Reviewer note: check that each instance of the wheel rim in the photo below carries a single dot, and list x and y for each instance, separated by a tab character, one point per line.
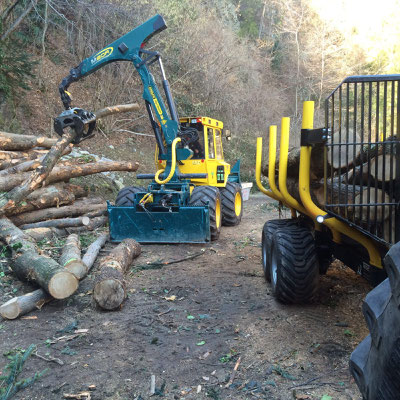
238	204
274	267
218	213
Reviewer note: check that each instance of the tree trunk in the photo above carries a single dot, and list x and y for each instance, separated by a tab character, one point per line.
37	177
71	257
93	250
123	108
4	164
13	141
21	167
340	155
110	291
48	233
80	207
27	264
59	174
58	223
21	305
380	167
49	196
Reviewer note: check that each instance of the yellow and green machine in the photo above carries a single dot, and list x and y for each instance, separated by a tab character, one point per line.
194	191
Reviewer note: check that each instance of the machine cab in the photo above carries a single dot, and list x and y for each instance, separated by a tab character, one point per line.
208	154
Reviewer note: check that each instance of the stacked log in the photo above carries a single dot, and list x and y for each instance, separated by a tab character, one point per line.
359	181
37	201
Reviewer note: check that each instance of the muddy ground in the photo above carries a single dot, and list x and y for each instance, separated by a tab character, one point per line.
189	323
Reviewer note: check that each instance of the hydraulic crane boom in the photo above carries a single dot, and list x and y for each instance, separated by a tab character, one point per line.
130	47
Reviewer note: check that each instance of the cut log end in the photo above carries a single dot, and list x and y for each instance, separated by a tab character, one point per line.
77	268
109	294
62	285
10	310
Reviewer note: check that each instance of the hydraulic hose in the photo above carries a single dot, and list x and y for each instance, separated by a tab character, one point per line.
173	165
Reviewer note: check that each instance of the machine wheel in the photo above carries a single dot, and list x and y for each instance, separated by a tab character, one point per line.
375	363
126	196
294	268
232	204
266	241
202	195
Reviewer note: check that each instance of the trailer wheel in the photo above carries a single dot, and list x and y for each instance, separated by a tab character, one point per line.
232	204
294	268
126	196
202	195
266	241
375	363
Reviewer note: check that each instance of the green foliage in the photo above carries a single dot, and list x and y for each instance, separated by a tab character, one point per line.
9	383
16	66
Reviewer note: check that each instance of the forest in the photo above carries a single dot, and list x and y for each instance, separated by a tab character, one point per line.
246	62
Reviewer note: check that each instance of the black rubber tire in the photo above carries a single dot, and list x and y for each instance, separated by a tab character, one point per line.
201	195
294	267
375	363
126	196
266	241
228	199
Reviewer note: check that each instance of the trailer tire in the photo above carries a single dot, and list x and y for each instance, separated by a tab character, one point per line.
375	363
232	204
266	241
203	195
126	196
294	265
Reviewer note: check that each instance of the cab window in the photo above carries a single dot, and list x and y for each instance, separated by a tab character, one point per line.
218	145
211	152
198	146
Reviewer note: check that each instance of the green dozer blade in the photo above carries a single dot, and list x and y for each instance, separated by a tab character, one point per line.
184	225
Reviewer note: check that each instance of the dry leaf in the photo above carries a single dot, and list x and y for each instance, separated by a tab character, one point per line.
170	298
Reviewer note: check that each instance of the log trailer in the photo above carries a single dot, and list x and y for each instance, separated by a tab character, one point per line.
194	191
356	220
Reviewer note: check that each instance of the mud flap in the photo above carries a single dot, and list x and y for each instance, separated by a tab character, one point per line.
186	225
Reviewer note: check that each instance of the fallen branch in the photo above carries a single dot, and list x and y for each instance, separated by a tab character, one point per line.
231	379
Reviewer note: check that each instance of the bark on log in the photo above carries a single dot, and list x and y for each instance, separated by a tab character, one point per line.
58	223
80	207
340	155
47	233
123	108
49	196
93	250
37	177
21	167
71	257
11	163
13	141
59	174
380	167
28	264
110	291
316	169
21	305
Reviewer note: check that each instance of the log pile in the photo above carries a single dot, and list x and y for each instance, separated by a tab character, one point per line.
37	201
356	176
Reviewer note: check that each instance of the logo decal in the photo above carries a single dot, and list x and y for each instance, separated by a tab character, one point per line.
157	104
102	54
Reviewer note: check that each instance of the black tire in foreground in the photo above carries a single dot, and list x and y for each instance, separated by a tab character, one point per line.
202	195
266	242
126	196
294	268
232	204
375	363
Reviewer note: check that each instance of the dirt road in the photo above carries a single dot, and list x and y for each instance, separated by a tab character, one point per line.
190	323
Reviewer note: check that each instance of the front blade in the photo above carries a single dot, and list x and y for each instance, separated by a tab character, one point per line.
187	225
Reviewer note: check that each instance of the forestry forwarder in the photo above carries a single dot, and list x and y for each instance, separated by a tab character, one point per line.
195	191
356	219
